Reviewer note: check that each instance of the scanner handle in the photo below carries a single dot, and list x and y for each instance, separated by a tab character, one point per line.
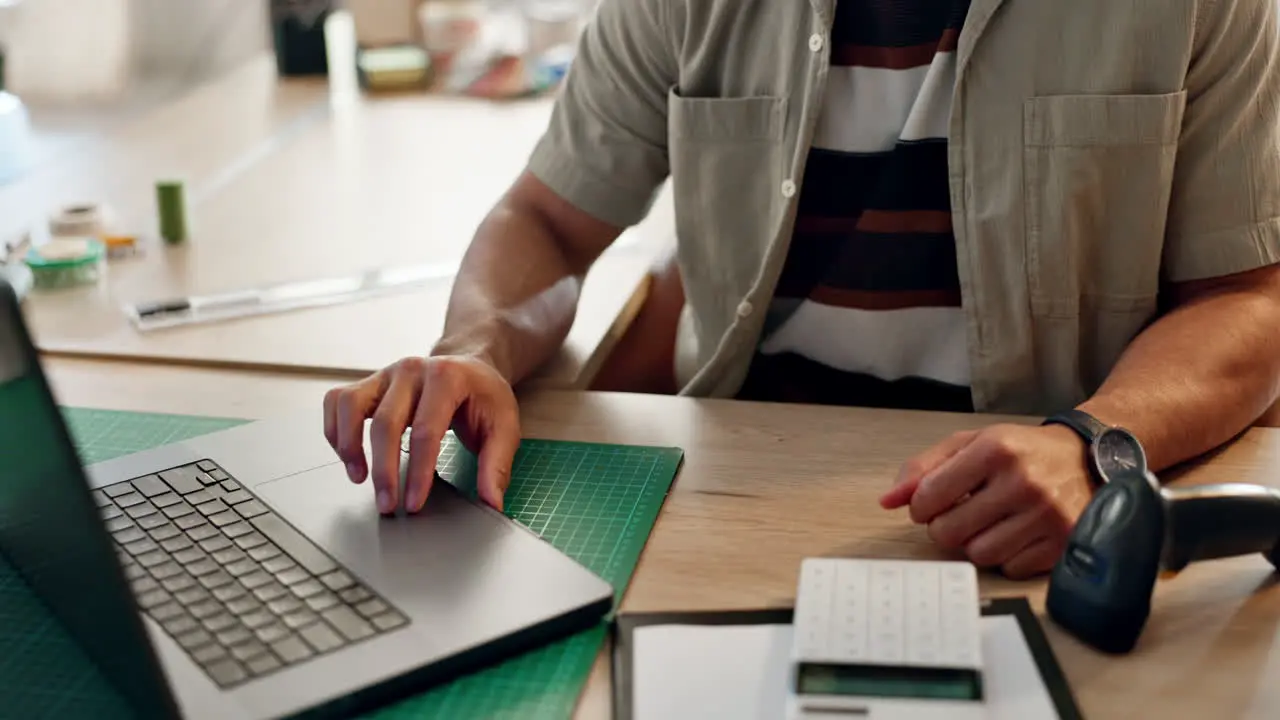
1218	521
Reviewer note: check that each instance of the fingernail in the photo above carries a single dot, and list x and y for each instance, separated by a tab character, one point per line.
355	472
384	502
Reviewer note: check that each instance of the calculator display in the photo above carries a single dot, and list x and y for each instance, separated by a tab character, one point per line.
886	682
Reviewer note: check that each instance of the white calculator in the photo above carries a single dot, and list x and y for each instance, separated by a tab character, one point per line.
886	639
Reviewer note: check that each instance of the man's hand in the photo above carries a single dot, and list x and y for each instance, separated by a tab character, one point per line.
428	395
1008	495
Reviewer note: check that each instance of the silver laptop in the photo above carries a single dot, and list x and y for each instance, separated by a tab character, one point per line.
241	574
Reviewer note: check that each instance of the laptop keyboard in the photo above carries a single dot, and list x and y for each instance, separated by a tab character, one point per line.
242	591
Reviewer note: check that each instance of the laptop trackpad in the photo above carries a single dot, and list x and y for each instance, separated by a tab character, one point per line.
454	568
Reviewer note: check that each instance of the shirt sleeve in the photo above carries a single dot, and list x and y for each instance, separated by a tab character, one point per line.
605	148
1224	213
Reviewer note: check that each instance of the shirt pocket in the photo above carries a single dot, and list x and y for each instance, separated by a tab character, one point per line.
1097	176
725	156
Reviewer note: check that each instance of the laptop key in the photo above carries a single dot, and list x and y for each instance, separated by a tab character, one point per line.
129	499
207	608
166	500
230	555
369	608
251	509
165	532
208	653
183	480
215	579
286	604
251	541
300	618
166	611
270	591
271	633
190	555
193	639
235	530
206	465
230	485
177	511
229	592
218	475
153	521
101	500
387	621
144	584
321	637
166	570
151	559
215	543
110	512
234	635
208	479
337	580
262	664
255	579
212	507
241	605
351	625
133	571
266	552
202	567
152	599
226	671
293	575
224	518
256	618
353	595
180	625
141	510
246	650
176	544
218	623
191	595
322	601
236	497
199	497
140	546
128	535
306	589
118	489
150	486
187	522
291	649
276	564
118	524
240	567
178	582
294	544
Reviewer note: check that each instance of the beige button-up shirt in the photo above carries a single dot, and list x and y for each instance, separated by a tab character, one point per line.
1098	149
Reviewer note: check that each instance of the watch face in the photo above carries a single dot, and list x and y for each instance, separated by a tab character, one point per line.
1117	452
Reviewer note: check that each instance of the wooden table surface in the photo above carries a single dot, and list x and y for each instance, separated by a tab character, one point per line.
284	187
764	486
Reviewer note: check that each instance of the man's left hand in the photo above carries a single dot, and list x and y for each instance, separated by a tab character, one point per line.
1008	495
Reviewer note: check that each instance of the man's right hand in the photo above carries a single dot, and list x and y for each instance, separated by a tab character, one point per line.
428	395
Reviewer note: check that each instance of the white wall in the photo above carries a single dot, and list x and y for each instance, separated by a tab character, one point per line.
197	38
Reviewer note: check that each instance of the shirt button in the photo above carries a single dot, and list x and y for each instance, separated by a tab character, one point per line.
744	309
788	188
815	42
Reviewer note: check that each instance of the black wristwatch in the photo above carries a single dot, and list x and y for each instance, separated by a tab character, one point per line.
1109	450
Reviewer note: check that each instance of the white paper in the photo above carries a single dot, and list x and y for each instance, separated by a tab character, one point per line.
740	672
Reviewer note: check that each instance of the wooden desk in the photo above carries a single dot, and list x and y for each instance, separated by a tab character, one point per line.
387	182
764	486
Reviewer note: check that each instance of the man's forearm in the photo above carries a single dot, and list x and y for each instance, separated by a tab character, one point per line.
1200	374
515	296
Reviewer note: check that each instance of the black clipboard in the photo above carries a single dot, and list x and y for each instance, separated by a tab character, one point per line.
624	627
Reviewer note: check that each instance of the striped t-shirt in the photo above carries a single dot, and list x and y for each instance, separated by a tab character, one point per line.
870	292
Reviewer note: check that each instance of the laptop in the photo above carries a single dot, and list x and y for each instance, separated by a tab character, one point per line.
241	574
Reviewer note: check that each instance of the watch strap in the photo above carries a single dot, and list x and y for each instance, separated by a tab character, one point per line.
1085	425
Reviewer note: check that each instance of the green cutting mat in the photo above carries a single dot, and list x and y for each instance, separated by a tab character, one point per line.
597	503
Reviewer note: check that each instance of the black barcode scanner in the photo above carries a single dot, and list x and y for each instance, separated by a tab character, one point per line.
1100	590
